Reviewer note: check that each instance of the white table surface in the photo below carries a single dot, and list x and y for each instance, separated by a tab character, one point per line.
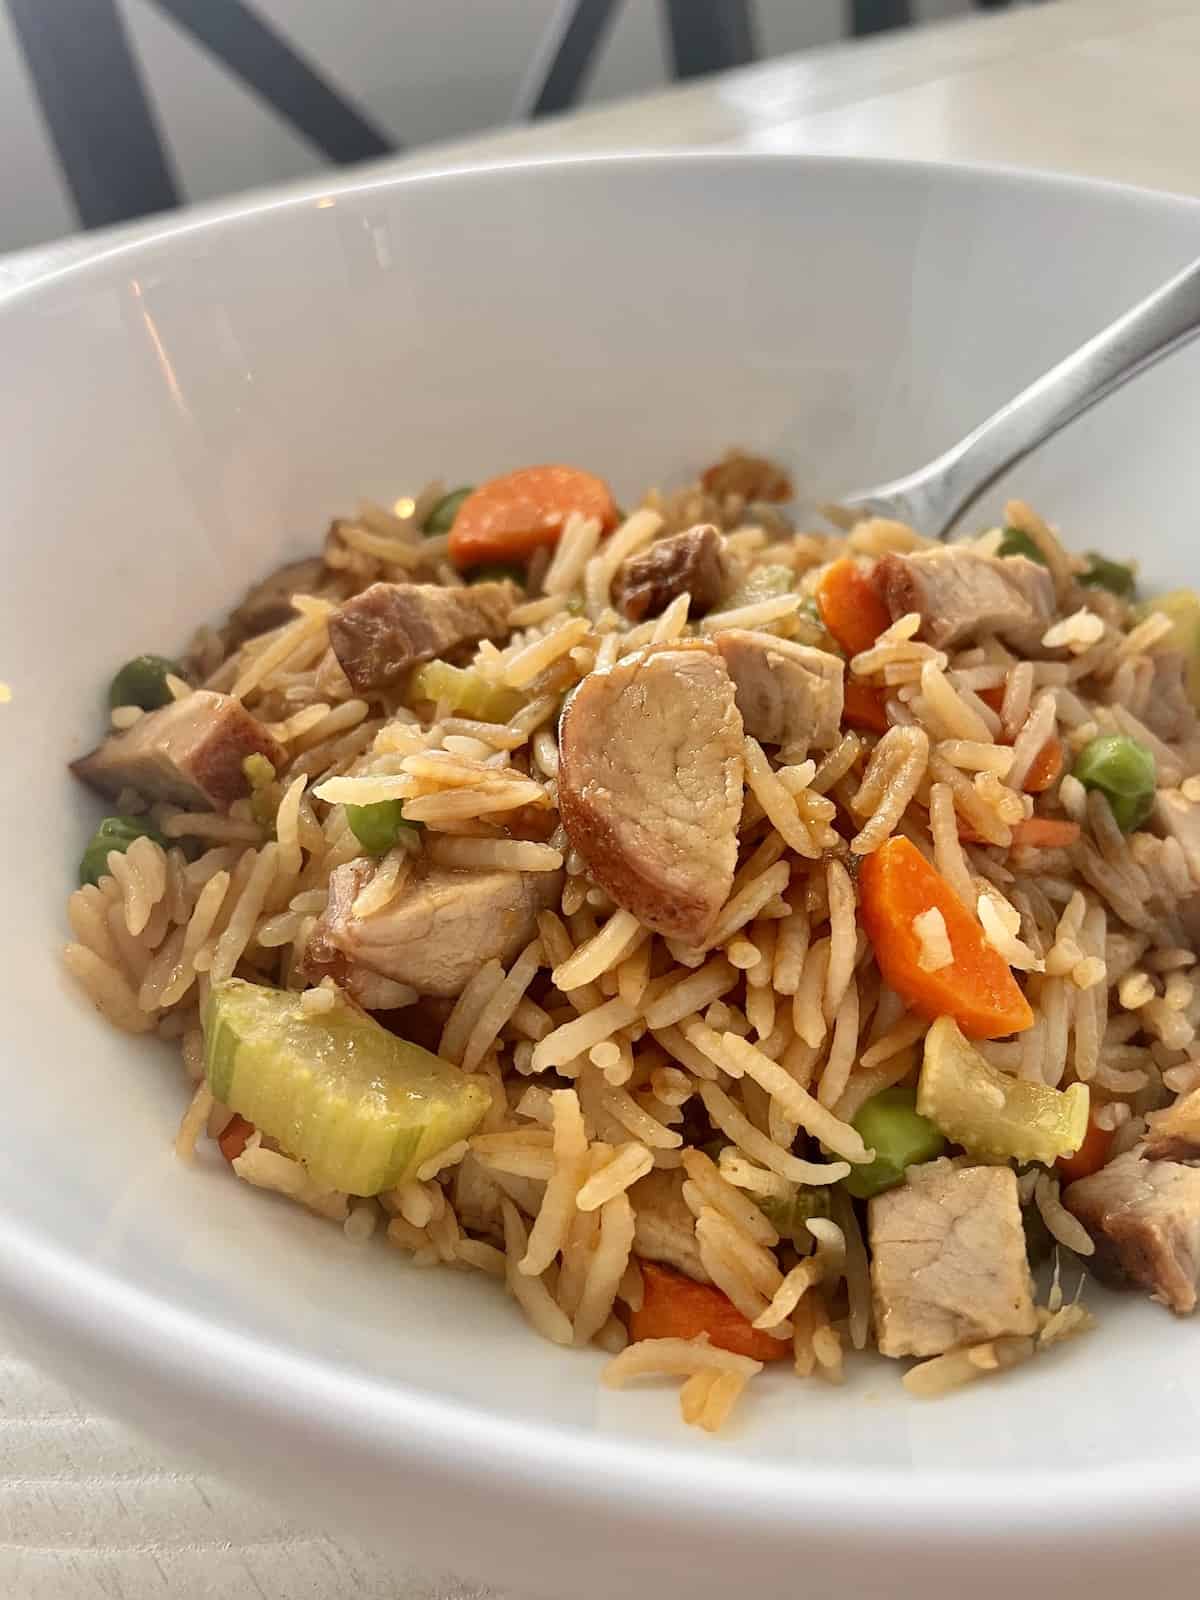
1105	88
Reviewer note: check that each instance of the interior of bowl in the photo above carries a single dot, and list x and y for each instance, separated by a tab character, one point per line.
183	416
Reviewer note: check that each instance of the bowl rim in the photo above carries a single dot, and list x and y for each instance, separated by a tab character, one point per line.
243	1382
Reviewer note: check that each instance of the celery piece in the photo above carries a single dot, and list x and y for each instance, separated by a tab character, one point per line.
465	689
994	1116
766	582
361	1108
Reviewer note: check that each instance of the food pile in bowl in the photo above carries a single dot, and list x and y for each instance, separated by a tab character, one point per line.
748	945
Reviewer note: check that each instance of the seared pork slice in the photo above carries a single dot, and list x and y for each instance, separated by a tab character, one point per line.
1175	1133
650	785
787	693
948	1262
962	595
269	604
190	752
1145	1219
691	562
382	632
439	930
664	1229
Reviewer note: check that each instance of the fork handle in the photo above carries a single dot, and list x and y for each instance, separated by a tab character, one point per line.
938	494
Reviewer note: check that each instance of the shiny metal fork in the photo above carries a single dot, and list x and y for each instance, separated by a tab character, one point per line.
934	497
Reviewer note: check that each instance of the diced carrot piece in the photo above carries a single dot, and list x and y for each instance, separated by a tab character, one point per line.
1046	767
508	518
864	707
674	1307
851	606
234	1137
1090	1157
977	989
1045	833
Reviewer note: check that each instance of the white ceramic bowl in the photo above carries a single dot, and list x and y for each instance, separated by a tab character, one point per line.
180	416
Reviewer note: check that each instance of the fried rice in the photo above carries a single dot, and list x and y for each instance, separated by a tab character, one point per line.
673	1122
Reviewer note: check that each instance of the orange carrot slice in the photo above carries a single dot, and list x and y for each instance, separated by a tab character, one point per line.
1090	1157
851	606
1047	765
234	1137
1045	833
977	989
1045	768
864	707
508	518
674	1307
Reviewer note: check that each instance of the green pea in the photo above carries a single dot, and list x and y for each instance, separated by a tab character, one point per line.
790	1216
496	572
143	682
377	828
1115	576
114	833
441	518
1016	542
1124	772
891	1125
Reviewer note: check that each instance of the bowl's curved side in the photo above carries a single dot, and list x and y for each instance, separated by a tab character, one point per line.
192	410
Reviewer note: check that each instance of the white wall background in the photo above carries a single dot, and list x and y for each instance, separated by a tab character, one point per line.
423	70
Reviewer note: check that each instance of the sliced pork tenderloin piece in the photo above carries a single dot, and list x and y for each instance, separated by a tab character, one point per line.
190	752
650	785
268	604
381	633
962	595
664	1228
1144	1217
948	1262
440	929
787	693
692	562
1175	1133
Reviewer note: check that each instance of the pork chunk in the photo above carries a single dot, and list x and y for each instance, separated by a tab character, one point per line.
268	604
962	595
650	785
948	1262
190	752
664	1228
1175	1133
440	929
787	693
382	632
1145	1219
691	562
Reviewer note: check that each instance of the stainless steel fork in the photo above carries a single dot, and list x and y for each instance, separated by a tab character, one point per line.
934	497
